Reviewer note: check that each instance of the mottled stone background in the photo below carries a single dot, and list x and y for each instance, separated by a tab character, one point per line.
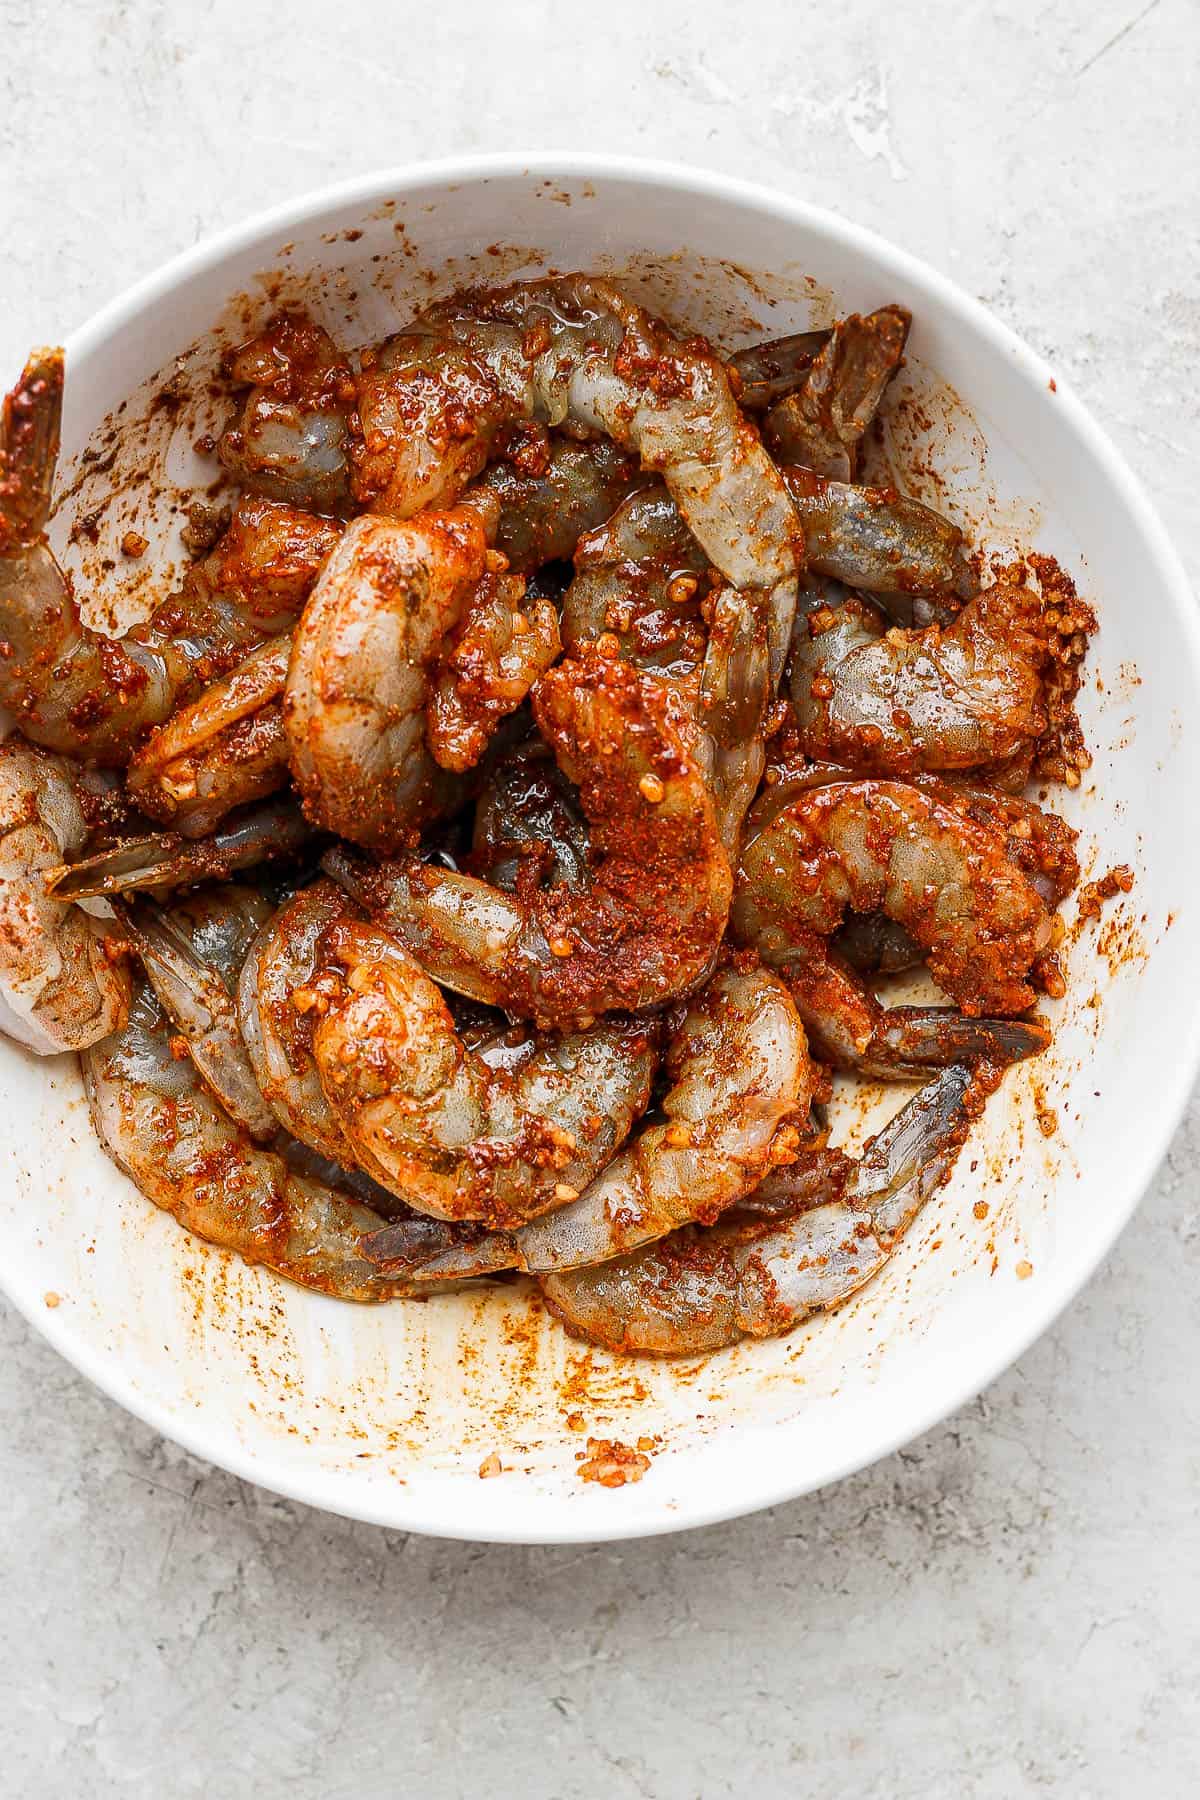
1012	1605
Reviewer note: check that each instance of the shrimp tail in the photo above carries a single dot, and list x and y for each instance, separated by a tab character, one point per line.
29	443
910	1040
165	860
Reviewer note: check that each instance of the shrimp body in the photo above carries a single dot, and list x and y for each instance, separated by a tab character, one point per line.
945	697
647	925
931	867
643	581
192	953
739	1074
223	750
159	1123
456	1137
575	349
276	1017
544	513
63	983
879	540
289	439
355	700
73	689
837	1223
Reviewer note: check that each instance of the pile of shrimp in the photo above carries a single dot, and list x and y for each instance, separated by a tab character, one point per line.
487	856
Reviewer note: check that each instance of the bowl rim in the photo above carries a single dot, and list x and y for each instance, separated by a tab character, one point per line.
319	1487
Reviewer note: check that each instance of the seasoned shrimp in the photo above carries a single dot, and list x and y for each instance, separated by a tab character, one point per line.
946	697
643	582
158	1122
821	424
192	953
77	691
357	686
276	1015
739	1077
880	541
434	1122
289	439
528	826
642	579
63	980
836	1223
224	750
879	846
435	401
647	925
164	860
545	512
486	666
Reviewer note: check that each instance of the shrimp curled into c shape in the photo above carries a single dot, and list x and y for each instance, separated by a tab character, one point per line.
837	1223
433	1122
932	867
740	1075
648	924
161	1126
358	684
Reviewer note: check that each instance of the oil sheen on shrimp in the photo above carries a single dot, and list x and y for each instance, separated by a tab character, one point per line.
159	1123
436	1123
63	980
358	682
647	925
879	846
642	582
739	1076
946	697
73	689
289	438
828	1226
192	953
435	401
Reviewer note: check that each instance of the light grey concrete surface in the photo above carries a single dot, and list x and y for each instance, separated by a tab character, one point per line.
1011	1606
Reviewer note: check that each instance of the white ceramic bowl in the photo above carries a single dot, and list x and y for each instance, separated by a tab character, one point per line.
386	1414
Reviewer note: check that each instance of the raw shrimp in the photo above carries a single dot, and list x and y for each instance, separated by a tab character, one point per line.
192	953
224	750
77	691
649	922
289	439
63	980
928	865
544	512
946	697
164	860
643	582
739	1076
821	424
276	1014
528	826
435	401
434	1122
158	1122
486	666
880	541
355	703
835	1224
